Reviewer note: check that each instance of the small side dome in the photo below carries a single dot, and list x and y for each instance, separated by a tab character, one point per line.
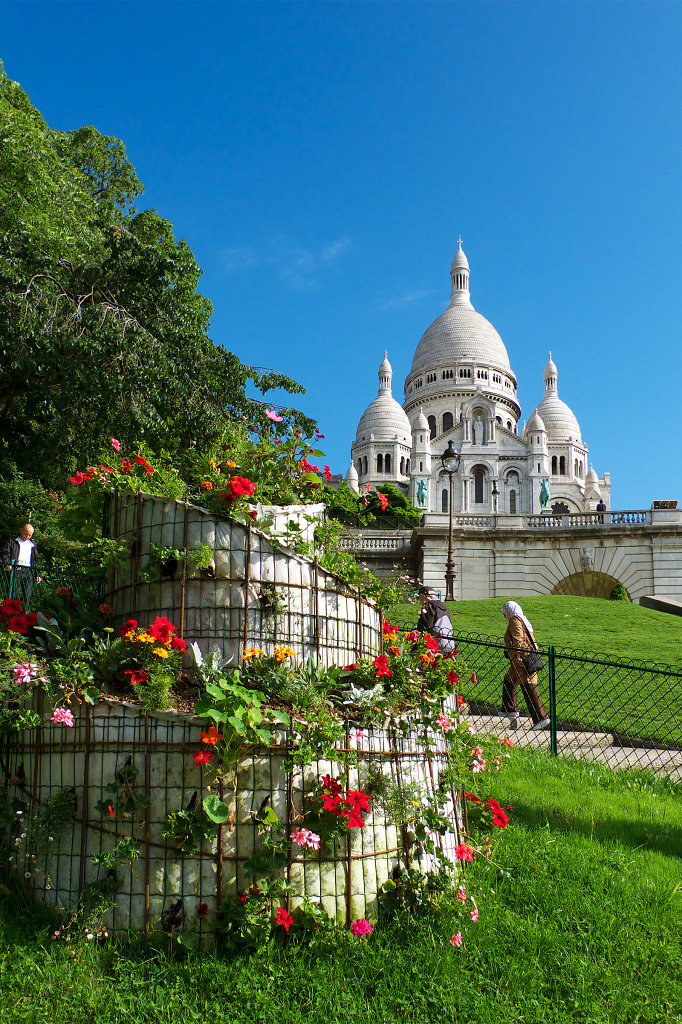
535	423
384	419
591	477
421	422
352	478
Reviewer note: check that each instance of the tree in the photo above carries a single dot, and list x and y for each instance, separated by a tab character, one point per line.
102	330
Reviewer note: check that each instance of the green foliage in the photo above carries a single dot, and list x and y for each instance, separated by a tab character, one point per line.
125	851
89	285
619	593
411	894
154	694
191	827
45	823
241	713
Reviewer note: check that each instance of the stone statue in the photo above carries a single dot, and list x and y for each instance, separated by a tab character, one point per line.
544	493
587	559
422	491
478	430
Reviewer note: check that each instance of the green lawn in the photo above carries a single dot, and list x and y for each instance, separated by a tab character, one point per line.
587	624
581	925
627	701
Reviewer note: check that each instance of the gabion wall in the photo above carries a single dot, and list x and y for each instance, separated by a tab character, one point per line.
112	736
257	594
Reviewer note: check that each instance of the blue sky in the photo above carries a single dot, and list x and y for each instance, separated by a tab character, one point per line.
322	158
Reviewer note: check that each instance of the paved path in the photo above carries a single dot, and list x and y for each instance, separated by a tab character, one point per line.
592	746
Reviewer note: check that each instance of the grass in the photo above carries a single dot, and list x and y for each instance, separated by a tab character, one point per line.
581	926
627	701
587	624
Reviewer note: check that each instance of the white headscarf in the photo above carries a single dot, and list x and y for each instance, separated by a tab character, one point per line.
512	608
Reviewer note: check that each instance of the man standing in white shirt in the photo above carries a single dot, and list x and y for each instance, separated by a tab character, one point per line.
21	554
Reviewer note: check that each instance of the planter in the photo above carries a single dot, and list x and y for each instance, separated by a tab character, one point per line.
261	594
113	740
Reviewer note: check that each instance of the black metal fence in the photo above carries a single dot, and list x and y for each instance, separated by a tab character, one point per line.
623	713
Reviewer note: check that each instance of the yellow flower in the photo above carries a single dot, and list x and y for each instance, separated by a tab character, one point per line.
231	465
252	652
146	638
212	464
282	653
160	652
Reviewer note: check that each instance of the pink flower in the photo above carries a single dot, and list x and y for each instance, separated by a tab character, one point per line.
464	852
24	672
461	894
383	501
62	716
361	927
358	734
474	912
478	766
304	837
272	415
443	722
456	939
474	680
116	445
327	473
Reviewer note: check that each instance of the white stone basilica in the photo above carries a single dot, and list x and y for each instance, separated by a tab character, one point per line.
461	388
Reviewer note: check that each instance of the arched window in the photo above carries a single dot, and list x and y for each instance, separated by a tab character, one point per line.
512	503
444	500
432	426
580	468
447	421
366	464
359	467
407	468
380	463
576	467
509	424
387	463
479	476
402	465
562	465
554	465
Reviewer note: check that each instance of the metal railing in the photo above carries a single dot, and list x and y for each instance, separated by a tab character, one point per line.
624	713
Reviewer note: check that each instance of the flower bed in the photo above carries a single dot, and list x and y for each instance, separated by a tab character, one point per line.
123	842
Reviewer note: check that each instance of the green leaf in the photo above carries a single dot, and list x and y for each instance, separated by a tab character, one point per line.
268	817
91	694
215	692
237	725
215	809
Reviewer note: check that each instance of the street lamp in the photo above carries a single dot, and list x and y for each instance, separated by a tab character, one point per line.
450	459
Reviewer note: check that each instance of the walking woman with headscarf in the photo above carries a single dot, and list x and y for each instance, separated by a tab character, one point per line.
518	640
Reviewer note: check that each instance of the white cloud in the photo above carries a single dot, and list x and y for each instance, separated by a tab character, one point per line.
296	266
403	300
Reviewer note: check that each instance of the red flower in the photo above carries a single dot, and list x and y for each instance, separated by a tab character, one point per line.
383	501
161	629
474	799
125	466
431	643
141	461
111	810
178	644
506	742
464	852
333	785
284	918
356	798
327	473
11	606
389	630
128	627
212	736
474	680
349	668
18	624
203	910
354	819
238	486
452	677
203	757
381	666
461	703
136	676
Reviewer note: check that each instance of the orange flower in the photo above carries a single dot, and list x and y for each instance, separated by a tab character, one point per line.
394	650
231	465
63	592
426	659
252	652
206	485
160	652
212	736
105	609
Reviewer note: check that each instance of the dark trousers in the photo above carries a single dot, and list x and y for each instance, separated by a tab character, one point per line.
24	580
517	677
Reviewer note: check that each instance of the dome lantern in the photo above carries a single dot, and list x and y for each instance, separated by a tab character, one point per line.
459	275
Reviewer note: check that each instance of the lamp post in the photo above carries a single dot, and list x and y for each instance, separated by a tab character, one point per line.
450	460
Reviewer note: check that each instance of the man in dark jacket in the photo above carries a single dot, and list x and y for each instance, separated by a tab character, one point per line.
20	556
434	618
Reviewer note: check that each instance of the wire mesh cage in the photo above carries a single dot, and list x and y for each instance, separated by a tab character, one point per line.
255	592
115	750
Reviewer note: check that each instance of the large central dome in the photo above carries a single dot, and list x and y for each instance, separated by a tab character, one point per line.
460	333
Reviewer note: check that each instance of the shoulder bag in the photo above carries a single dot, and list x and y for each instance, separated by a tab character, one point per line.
531	660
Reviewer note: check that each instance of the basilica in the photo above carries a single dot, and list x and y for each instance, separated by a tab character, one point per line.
461	389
